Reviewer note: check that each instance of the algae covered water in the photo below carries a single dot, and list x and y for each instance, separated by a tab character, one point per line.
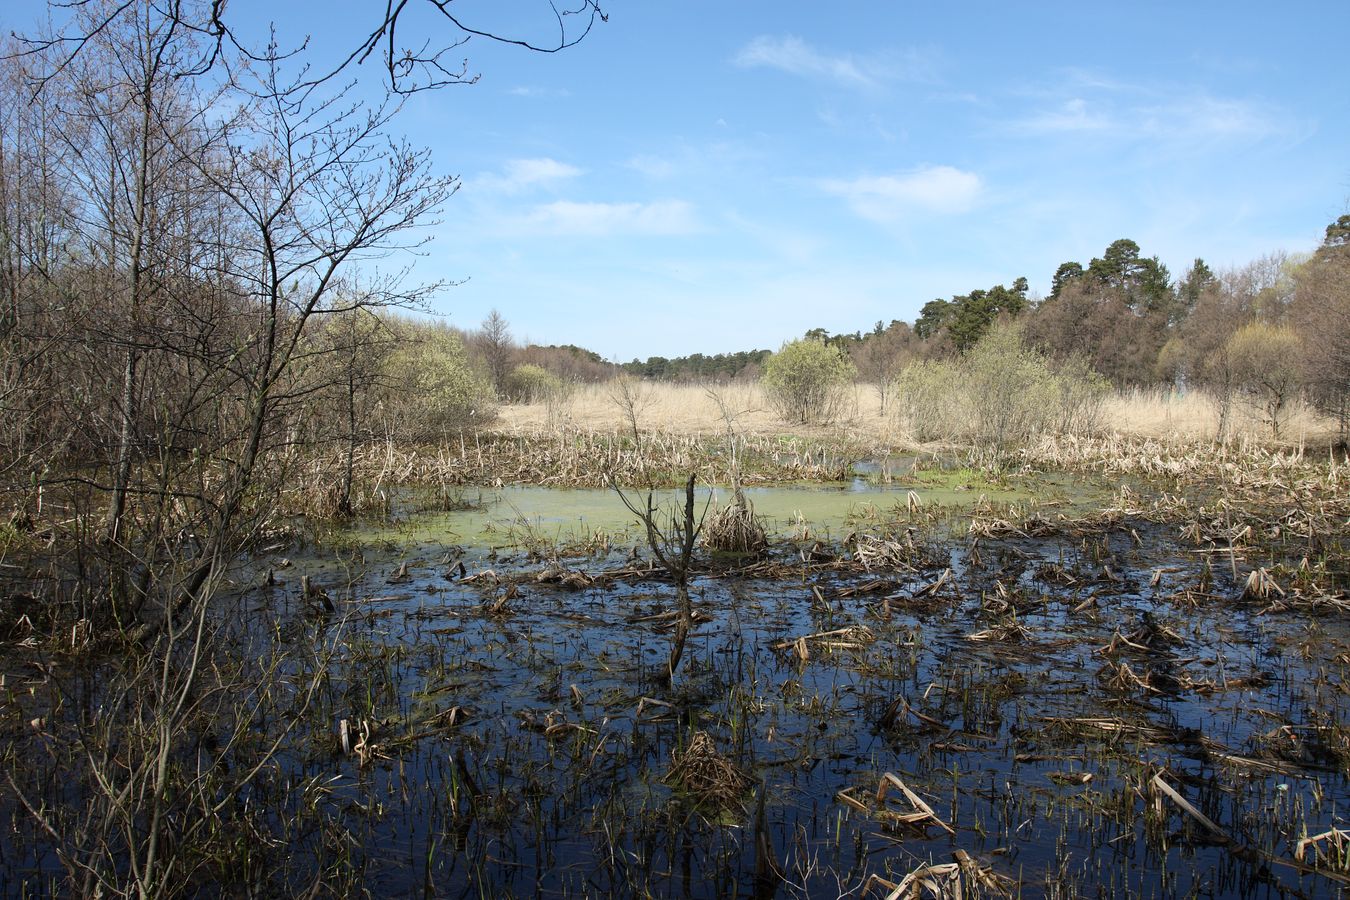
516	515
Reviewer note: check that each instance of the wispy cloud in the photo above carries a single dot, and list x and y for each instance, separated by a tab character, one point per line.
1213	117
890	198
1154	112
1072	115
791	54
652	166
523	174
590	219
526	90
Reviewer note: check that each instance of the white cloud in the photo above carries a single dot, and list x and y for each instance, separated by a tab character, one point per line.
522	174
568	217
888	198
792	54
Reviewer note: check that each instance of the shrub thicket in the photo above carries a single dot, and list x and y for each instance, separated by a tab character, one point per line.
1000	394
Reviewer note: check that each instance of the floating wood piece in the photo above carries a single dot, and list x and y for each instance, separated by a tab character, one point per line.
644	702
498	606
935	586
867	587
451	717
1336	837
854	637
875	552
485	575
890	779
1010	632
1172	794
941	881
561	575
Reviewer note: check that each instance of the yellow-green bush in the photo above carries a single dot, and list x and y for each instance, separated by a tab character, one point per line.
1265	360
534	384
806	380
432	388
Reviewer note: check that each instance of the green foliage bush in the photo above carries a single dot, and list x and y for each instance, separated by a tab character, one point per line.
806	380
1002	393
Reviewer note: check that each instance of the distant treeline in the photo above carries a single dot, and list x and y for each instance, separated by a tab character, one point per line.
1277	327
745	364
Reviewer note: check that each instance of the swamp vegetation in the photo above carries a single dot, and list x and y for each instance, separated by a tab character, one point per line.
1107	670
278	618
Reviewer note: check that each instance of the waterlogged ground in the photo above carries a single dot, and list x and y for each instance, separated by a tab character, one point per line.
1075	704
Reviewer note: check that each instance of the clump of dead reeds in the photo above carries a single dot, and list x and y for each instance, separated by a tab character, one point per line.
965	877
734	528
1261	585
711	778
874	552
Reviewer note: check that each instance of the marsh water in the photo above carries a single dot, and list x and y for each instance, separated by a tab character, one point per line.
497	718
1030	688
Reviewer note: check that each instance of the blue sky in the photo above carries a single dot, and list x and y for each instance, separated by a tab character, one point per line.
707	177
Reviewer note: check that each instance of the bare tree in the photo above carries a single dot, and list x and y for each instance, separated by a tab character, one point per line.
317	188
209	240
124	156
408	67
880	356
1321	313
351	349
35	237
494	344
671	534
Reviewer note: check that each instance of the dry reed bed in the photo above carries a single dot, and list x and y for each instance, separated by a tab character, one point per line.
1276	520
575	457
695	409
